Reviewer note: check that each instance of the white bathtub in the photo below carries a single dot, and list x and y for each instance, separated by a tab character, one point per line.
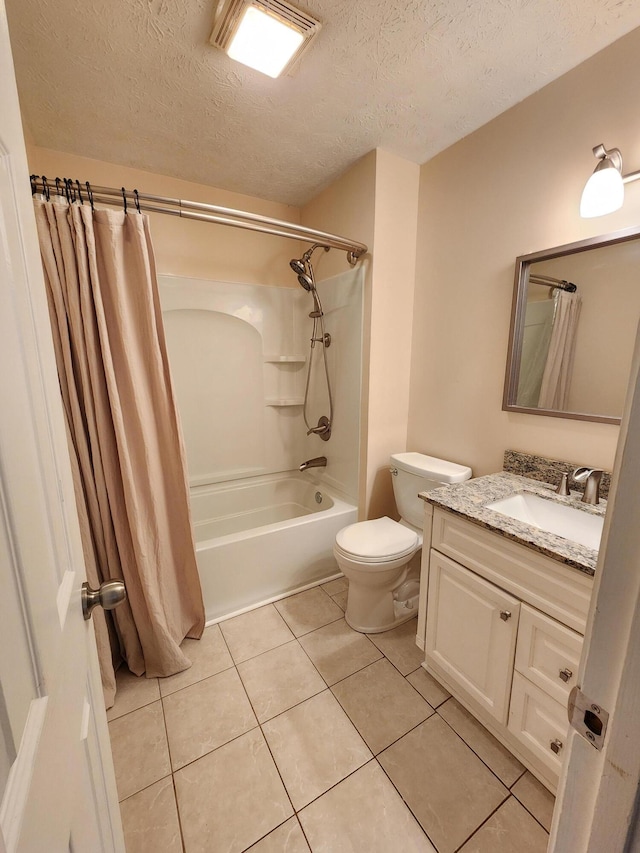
261	538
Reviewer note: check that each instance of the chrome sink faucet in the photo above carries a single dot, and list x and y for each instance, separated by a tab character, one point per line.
318	462
591	478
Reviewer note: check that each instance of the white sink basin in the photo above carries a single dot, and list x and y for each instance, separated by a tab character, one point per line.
565	521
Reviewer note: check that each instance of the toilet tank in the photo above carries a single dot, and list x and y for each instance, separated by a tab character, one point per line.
414	473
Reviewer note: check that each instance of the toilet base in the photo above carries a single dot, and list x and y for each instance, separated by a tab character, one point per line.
364	629
371	613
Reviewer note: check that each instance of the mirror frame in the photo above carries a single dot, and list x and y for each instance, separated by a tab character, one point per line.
518	310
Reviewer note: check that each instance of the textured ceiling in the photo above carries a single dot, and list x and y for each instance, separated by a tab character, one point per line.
136	82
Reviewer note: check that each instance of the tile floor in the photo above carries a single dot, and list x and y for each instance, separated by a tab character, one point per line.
291	733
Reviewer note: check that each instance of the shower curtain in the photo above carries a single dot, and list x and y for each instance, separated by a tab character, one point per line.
556	379
123	430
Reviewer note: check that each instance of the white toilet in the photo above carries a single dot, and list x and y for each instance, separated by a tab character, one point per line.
381	558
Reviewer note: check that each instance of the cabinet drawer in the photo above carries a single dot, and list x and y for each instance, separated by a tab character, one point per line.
538	722
547	653
471	633
542	582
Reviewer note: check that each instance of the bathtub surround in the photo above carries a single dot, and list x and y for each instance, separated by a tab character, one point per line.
238	356
124	434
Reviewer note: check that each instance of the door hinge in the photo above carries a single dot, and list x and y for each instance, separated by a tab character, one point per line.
587	717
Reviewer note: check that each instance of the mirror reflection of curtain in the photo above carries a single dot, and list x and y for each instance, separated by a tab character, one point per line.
535	348
554	390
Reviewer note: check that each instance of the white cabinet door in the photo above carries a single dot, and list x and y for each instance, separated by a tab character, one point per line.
471	634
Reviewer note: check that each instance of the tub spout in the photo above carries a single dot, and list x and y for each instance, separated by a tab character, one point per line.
318	462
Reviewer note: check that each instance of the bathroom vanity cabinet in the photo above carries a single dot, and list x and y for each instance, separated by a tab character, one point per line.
503	628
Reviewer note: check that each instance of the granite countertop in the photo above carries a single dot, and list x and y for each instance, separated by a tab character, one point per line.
469	500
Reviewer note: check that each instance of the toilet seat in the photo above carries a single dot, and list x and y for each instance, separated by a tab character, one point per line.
377	541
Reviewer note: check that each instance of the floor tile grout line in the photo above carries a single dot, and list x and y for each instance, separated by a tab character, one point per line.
524	770
268	745
146	788
479	757
319	673
527	809
173	781
262	837
479	827
434	707
175	796
399	793
133	710
197	681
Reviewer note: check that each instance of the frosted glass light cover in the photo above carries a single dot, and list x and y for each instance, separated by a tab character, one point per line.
603	193
263	42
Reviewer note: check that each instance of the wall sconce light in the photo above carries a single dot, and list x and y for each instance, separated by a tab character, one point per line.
604	191
267	35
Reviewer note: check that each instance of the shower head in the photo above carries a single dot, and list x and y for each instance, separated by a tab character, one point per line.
302	268
307	282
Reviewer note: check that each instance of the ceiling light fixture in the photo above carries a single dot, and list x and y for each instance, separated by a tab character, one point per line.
604	191
267	35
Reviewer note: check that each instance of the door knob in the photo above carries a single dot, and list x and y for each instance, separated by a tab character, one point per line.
109	595
556	745
505	615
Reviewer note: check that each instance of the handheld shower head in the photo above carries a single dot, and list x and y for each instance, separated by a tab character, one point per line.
302	268
307	282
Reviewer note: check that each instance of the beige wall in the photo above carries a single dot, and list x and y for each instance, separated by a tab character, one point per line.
510	188
376	202
185	247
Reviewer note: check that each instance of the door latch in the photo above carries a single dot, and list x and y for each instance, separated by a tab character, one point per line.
587	717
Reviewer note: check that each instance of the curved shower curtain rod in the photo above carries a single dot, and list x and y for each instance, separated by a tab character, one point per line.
195	210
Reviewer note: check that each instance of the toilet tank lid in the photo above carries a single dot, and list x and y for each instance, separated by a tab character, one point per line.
431	468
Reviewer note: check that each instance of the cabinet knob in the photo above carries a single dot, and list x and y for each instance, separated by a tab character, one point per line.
505	614
565	674
556	745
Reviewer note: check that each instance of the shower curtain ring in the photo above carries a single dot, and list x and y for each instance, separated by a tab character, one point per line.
32	181
45	188
67	190
137	199
79	191
124	198
89	195
58	187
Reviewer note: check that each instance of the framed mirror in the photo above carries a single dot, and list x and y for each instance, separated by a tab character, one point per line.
573	327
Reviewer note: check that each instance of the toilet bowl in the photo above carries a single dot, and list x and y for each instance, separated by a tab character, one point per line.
381	557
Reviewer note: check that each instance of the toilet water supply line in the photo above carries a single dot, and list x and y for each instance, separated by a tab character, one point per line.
304	270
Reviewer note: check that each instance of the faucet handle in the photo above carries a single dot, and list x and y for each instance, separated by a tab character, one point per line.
563	485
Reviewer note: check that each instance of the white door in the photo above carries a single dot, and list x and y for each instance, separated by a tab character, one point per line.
597	806
57	787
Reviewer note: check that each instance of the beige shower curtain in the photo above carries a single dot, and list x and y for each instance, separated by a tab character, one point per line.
556	379
123	432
